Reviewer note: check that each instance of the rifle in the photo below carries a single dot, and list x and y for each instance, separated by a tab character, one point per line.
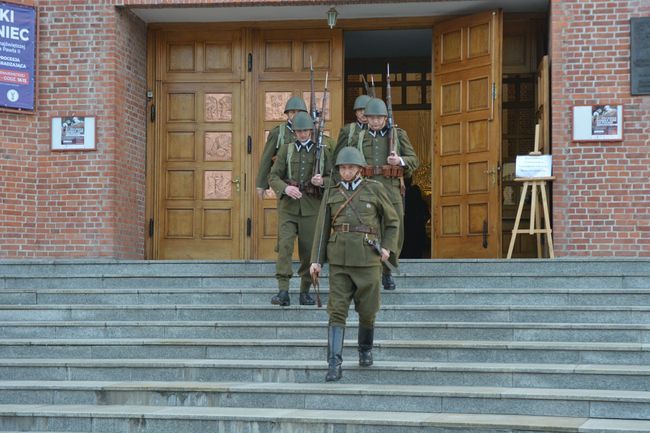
392	132
311	189
369	91
313	109
314	277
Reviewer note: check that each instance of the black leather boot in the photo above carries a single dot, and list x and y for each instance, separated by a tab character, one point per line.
366	338
335	336
306	299
281	299
387	281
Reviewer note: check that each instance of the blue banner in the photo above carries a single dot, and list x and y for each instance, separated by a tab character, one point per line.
17	59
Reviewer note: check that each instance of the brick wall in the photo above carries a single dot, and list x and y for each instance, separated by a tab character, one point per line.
91	62
601	198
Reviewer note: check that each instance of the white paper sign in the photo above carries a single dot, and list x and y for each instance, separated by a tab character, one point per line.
533	166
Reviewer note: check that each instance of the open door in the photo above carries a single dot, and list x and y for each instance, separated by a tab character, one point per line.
467	137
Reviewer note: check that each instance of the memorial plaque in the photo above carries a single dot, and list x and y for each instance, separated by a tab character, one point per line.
640	56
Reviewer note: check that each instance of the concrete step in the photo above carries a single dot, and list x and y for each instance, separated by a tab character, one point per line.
434	313
313	349
404	280
486	331
509	375
414	398
156	419
565	266
262	296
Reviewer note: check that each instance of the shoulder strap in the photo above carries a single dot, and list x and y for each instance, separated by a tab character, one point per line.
362	133
351	133
348	199
291	147
280	139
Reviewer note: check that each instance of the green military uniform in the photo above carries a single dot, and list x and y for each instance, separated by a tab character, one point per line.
295	165
279	136
352	215
374	146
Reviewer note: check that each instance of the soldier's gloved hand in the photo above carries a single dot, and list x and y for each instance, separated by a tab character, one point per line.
317	180
385	254
293	192
393	159
260	192
315	269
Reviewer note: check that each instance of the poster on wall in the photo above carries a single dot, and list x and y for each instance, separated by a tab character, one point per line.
17	56
598	123
73	133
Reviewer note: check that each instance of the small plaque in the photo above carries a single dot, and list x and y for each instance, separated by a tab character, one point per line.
640	57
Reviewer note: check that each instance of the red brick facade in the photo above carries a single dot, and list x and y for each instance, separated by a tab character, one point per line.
92	60
601	200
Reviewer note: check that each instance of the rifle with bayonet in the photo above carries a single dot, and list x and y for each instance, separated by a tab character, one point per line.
370	91
319	129
392	131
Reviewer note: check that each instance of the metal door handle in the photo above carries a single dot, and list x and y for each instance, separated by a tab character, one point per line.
237	183
493	174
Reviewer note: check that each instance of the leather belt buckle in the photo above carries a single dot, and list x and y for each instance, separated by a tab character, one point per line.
345	227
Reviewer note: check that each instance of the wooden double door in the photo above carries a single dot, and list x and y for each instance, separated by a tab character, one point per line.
218	91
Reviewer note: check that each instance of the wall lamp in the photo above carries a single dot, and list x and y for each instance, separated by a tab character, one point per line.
332	14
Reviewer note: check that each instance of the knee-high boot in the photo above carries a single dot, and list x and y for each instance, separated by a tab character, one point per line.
335	336
366	338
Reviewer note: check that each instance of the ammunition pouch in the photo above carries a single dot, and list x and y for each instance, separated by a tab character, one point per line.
393	171
307	188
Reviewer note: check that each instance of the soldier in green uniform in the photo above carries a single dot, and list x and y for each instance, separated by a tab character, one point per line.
387	168
281	134
352	217
350	132
299	193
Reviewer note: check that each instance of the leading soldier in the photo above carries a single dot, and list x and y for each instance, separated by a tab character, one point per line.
278	136
299	192
386	167
353	216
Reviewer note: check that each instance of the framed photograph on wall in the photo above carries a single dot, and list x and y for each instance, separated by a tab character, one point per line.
598	123
73	133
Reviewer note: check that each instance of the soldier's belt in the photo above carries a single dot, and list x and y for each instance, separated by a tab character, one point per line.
345	228
382	170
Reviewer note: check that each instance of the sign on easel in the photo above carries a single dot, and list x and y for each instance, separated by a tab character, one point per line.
533	166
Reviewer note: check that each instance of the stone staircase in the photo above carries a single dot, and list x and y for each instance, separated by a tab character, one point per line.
462	346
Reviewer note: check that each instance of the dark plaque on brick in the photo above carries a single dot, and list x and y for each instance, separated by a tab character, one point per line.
640	57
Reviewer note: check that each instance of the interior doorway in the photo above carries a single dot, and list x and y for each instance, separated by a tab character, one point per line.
409	53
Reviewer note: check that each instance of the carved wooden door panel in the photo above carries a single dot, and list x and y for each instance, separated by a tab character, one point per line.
199	147
281	69
467	131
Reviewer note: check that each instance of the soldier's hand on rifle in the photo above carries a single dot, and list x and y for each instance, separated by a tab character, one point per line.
260	192
393	159
384	254
293	192
315	269
317	180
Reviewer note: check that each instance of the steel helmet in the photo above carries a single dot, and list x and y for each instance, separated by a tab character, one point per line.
360	102
350	155
302	121
376	107
295	103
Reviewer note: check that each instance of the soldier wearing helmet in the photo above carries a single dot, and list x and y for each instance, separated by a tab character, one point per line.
299	192
386	167
350	132
280	135
357	228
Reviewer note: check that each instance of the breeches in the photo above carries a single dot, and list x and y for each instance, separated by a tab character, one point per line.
358	283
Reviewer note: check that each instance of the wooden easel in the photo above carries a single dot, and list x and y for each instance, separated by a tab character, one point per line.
535	223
